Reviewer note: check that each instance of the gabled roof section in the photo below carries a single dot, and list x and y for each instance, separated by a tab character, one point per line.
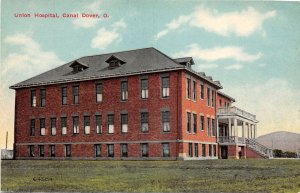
226	96
113	57
140	61
77	63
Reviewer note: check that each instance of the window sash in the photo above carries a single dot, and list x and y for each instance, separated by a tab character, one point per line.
124	150
188	122
98	150
42	127
202	123
196	150
195	123
203	150
68	150
75	94
110	150
208	127
190	150
165	86
41	151
188	88
166	149
201	91
98	123
64	95
43	97
31	150
33	98
208	96
144	150
213	127
63	125
144	84
52	150
194	90
75	125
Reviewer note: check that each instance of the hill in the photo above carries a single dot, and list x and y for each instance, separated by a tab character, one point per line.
283	140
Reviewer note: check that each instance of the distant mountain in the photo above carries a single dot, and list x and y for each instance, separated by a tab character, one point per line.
283	140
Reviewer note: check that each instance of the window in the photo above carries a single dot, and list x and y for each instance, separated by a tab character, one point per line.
165	87
201	123
52	150
212	98
190	150
166	120
53	126
110	123
144	149
75	94
201	91
124	123
208	96
98	92
144	88
166	149
213	127
124	90
203	150
220	103
188	88
63	125
43	97
98	150
32	127
208	127
86	124
68	150
124	150
75	125
41	151
196	150
42	127
215	150
110	150
210	150
195	123
31	150
144	122
33	98
98	122
194	90
188	122
64	95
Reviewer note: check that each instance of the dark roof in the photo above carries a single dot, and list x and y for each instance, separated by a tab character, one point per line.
140	61
227	96
184	60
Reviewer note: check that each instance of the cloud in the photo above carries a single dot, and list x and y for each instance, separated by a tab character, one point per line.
27	60
93	8
240	23
201	67
275	103
234	67
105	37
219	53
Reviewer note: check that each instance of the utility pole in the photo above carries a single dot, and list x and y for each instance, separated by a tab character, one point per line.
6	140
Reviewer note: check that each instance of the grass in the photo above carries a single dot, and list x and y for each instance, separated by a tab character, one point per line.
152	176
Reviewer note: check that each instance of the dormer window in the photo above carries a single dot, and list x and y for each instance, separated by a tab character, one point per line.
78	66
187	62
114	62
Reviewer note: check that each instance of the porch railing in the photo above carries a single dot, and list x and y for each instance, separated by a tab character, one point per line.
235	111
231	139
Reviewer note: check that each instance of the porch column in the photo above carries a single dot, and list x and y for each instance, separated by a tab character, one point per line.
243	131
218	130
251	131
248	124
229	130
235	129
255	131
223	126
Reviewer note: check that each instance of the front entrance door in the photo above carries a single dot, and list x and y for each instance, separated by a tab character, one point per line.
224	152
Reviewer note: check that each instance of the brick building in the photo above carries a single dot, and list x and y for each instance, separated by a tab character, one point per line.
137	104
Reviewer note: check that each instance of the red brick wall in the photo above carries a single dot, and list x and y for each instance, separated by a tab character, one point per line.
252	154
82	145
87	104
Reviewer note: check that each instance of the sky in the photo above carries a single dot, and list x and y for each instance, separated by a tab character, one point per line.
251	47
